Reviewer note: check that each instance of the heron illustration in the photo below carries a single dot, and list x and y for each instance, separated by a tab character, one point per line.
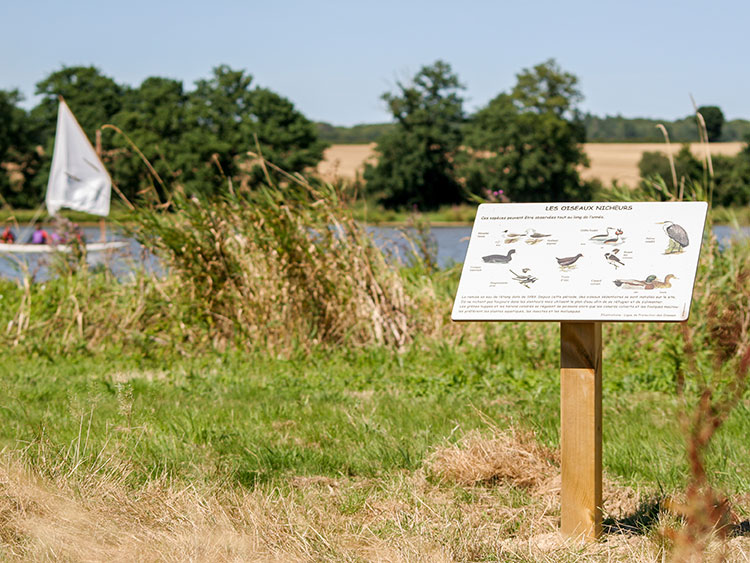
678	237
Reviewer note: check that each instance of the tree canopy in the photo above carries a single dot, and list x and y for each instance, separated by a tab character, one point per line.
528	143
16	149
415	158
197	140
714	120
547	89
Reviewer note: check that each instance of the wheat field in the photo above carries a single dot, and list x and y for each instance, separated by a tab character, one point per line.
608	161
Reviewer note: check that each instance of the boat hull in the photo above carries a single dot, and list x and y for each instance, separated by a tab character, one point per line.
46	248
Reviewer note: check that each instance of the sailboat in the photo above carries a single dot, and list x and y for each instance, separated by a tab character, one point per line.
78	180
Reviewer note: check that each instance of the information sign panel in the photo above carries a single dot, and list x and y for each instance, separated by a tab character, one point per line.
581	262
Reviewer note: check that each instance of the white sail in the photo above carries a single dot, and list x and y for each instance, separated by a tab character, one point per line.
78	179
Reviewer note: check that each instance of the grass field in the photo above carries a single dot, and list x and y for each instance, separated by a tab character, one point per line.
437	455
284	393
609	161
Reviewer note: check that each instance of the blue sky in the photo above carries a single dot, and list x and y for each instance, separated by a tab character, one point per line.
334	59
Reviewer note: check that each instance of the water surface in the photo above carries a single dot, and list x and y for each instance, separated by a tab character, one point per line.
450	243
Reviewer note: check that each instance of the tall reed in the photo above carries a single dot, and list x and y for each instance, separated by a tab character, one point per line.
281	266
714	376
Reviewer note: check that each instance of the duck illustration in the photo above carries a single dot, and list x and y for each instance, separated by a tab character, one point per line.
569	261
633	284
499	258
651	282
678	237
613	259
612	236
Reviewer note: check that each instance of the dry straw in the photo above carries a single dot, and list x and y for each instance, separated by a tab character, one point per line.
511	457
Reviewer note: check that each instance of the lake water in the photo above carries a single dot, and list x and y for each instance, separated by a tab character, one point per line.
451	245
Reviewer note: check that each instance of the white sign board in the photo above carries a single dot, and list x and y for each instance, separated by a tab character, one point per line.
581	262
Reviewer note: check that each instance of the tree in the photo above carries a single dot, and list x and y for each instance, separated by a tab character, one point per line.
415	163
547	88
19	159
93	97
528	143
224	115
654	165
714	119
153	117
732	179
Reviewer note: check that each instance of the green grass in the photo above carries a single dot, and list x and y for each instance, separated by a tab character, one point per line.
462	214
117	214
247	419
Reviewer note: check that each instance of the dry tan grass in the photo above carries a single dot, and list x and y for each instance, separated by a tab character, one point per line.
404	517
516	458
609	161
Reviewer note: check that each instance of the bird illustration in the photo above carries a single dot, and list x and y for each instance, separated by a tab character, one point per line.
499	258
662	284
612	236
525	280
510	238
613	259
651	282
678	237
569	261
534	237
633	284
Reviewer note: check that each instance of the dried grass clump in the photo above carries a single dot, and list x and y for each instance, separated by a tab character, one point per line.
81	309
512	457
55	508
284	265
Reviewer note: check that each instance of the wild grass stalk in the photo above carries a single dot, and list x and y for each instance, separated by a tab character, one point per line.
284	265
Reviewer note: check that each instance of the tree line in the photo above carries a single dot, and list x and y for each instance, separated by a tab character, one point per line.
608	129
524	145
623	129
197	140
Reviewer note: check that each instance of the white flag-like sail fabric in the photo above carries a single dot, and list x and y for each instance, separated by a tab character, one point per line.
78	179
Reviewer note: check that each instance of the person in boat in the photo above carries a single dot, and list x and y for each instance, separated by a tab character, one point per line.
65	231
40	236
8	236
77	232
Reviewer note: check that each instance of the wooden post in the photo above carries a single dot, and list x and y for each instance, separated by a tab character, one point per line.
581	429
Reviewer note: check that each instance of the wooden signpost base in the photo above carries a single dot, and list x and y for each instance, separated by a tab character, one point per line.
581	429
